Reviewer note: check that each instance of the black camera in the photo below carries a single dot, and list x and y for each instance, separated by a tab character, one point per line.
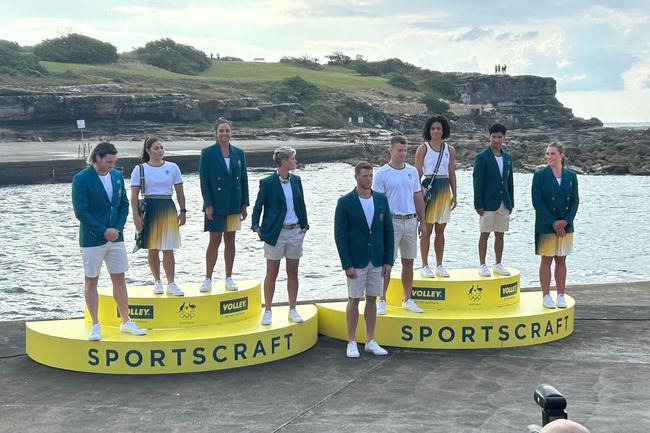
553	405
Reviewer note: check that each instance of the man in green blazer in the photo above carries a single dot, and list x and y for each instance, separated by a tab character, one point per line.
493	197
100	204
363	231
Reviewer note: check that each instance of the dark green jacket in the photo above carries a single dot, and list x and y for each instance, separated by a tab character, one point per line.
553	202
490	187
271	197
356	243
225	190
93	208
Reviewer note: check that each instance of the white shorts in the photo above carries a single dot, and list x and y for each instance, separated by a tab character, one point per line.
368	281
495	221
289	245
406	237
113	253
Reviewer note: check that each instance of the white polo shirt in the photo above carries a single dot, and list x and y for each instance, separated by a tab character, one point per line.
399	185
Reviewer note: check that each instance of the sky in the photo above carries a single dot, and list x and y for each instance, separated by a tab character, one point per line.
598	51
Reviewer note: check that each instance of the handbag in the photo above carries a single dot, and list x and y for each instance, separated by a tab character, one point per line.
429	192
142	210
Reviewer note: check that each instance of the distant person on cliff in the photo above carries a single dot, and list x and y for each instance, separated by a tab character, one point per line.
493	197
224	187
401	184
160	227
363	231
283	228
555	199
100	204
436	161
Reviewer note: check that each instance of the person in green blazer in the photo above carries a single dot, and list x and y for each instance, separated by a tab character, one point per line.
283	228
363	231
224	187
100	204
555	199
493	197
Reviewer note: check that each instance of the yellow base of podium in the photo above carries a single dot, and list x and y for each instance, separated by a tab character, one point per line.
64	344
524	324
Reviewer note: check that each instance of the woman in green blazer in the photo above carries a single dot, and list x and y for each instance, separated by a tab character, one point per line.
283	228
555	199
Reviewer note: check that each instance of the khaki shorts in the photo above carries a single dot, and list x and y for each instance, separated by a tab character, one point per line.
495	221
406	238
289	245
113	253
369	282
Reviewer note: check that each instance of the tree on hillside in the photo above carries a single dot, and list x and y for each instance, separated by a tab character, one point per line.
338	58
303	62
167	54
76	48
15	61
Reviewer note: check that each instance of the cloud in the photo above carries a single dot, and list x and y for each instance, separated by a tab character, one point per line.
509	36
472	35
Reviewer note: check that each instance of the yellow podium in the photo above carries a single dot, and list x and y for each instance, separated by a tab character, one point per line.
196	332
464	311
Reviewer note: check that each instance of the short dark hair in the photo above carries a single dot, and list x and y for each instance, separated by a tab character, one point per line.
362	165
496	128
220	121
446	129
102	149
398	139
147	145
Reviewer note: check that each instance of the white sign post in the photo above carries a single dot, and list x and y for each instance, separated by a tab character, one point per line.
81	125
360	119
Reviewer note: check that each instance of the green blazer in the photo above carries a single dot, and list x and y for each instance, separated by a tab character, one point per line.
358	244
271	197
223	189
490	187
93	208
553	202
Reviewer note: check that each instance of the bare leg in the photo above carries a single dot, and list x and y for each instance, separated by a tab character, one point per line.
121	296
482	246
545	274
560	274
211	253
229	252
292	281
425	243
407	278
272	268
92	301
169	265
154	264
498	246
439	243
352	316
370	315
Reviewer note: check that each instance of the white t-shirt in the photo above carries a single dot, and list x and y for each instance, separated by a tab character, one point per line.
290	217
108	185
499	163
368	206
559	180
399	185
157	180
227	160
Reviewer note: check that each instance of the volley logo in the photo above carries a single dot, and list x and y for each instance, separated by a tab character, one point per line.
139	312
186	311
509	290
428	294
474	294
233	305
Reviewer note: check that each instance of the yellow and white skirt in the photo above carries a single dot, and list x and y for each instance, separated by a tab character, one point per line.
550	244
222	223
439	209
160	230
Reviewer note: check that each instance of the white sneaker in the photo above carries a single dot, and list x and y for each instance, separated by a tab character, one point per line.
426	272
129	327
230	284
294	316
442	271
94	334
352	351
375	348
158	288
548	302
206	285
561	302
173	289
381	307
501	270
267	318
484	271
410	305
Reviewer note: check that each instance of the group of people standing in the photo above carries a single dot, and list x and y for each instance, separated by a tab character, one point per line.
386	215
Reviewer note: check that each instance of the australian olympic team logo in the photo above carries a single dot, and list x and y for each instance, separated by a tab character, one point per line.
474	294
186	311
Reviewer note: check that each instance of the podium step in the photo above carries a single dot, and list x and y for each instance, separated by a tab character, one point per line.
64	344
523	324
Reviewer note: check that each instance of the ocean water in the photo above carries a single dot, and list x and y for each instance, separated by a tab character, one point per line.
41	274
